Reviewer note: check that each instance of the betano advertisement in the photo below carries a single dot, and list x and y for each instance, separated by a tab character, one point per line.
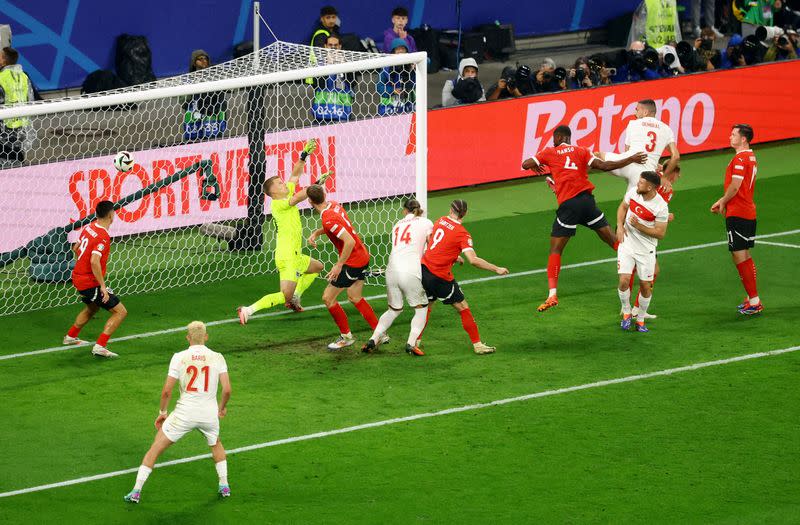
487	142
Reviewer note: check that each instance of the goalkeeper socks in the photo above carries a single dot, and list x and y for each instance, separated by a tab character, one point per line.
553	267
141	477
418	323
747	273
644	302
340	318
468	322
304	282
625	300
103	339
385	322
367	313
74	331
268	301
222	471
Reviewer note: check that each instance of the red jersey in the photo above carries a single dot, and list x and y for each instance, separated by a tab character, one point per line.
335	222
448	239
94	240
743	166
569	167
666	195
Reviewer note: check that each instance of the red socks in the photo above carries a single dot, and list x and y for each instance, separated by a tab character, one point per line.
553	267
102	340
340	318
747	273
74	331
468	322
367	313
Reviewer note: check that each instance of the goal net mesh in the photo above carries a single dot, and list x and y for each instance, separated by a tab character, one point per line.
211	137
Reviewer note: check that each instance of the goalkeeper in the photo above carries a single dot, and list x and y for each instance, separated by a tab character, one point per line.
297	270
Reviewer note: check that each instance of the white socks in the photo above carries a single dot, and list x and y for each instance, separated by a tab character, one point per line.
384	323
625	300
417	325
222	471
551	293
644	302
141	477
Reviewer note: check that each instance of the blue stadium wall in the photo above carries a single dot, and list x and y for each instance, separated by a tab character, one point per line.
61	41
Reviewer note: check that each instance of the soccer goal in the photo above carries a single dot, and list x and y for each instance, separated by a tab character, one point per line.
192	210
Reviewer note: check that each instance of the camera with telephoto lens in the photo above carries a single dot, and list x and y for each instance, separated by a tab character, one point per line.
640	61
560	74
765	33
509	75
689	57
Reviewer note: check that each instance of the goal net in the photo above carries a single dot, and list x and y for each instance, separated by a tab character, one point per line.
192	210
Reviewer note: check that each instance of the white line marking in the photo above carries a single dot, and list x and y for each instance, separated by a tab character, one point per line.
381	296
415	417
783	244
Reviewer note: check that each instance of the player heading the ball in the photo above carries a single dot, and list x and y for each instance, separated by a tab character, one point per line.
88	277
349	271
199	372
448	241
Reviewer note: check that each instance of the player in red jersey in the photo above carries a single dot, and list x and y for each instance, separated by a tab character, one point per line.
88	276
740	213
569	167
348	272
448	241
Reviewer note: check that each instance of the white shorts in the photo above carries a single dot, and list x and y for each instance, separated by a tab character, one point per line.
631	173
178	425
402	284
644	263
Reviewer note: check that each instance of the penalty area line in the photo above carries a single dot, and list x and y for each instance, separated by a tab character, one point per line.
380	296
415	417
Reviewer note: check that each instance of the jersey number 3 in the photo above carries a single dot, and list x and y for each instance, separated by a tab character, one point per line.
651	146
194	372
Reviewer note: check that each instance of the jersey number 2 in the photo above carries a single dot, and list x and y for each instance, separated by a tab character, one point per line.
651	146
193	370
405	237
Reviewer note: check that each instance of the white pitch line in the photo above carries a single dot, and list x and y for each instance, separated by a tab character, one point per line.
415	417
381	296
782	244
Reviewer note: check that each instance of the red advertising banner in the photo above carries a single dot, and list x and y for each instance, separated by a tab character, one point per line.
487	142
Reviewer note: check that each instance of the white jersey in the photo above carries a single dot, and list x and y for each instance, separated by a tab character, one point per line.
651	136
649	213
198	369
409	236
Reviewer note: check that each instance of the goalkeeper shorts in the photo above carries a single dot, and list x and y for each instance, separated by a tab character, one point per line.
292	268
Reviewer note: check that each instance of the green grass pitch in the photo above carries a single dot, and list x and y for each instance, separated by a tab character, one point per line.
717	444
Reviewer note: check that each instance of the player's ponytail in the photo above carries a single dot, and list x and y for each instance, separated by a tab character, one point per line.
459	207
413	206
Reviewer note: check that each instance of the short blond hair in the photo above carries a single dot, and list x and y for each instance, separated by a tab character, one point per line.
196	332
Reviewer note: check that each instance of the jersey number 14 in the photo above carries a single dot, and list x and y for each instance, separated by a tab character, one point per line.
404	237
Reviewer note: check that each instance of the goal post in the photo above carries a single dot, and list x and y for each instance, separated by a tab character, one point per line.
232	125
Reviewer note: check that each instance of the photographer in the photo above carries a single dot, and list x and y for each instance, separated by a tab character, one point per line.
669	63
549	78
604	66
641	64
582	75
781	49
513	82
466	88
704	46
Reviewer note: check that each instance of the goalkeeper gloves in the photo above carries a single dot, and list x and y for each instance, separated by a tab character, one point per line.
322	178
308	149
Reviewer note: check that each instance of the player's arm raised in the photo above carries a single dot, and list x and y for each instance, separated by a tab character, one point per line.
621	212
225	383
347	249
483	264
166	395
610	165
733	189
97	271
658	231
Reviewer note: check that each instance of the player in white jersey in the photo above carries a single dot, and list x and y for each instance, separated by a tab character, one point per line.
648	135
199	371
642	220
404	276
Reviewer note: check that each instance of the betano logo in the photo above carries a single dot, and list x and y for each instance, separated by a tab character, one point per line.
603	128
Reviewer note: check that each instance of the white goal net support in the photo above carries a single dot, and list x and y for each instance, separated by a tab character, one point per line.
192	210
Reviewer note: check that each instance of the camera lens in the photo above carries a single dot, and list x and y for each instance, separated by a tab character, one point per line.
782	41
669	58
